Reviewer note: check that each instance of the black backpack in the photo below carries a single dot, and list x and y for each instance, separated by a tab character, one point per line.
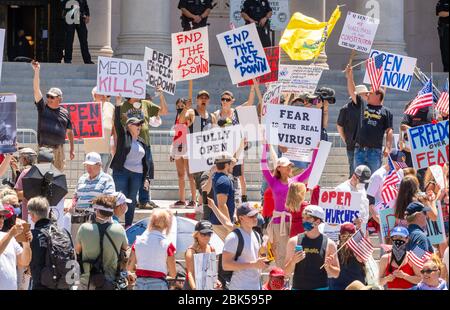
60	252
225	276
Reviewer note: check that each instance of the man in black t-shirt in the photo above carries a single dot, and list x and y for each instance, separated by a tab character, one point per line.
258	12
374	122
53	121
194	13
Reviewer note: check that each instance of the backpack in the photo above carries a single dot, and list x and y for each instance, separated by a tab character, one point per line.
59	253
225	276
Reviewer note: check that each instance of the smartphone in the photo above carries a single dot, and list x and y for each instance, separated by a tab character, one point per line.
298	248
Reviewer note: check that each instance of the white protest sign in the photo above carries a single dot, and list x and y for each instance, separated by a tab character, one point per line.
248	118
159	70
121	77
294	127
319	164
243	53
190	52
359	32
2	46
271	96
438	175
303	155
205	146
429	144
339	207
299	79
398	70
205	267
436	229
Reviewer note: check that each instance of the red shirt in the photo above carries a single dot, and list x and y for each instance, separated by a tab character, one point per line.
269	204
399	283
297	221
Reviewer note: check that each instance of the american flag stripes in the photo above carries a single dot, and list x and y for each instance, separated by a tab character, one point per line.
424	99
418	256
442	104
374	67
361	246
389	190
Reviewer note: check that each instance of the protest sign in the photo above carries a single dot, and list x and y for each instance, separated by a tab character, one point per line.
190	52
205	267
248	118
273	56
8	123
359	32
397	72
319	165
280	14
121	77
303	155
429	144
294	127
86	119
159	70
243	53
299	79
438	175
271	96
339	207
435	229
205	146
2	46
387	222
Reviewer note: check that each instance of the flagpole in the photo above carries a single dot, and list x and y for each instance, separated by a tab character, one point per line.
434	104
342	246
358	64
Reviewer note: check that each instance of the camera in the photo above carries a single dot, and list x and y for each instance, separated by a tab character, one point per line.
326	93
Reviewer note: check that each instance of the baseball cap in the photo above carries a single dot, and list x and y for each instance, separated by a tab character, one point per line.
203	92
398	156
363	173
415	207
55	92
121	198
315	211
135	121
204	227
348	227
27	151
360	89
283	162
3	210
227	92
45	155
92	159
224	158
399	231
276	272
245	210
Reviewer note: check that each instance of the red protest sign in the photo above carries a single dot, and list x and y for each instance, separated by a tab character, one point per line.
273	57
86	119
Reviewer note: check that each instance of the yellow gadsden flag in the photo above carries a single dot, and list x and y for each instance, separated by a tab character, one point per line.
305	37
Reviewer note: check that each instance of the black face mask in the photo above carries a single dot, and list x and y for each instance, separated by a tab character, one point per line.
179	111
398	251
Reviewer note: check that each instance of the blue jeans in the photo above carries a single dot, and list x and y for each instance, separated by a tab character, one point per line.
151	284
351	162
370	157
128	183
144	196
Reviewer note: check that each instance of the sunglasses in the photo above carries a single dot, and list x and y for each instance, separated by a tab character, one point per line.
51	97
137	125
226	99
428	271
206	234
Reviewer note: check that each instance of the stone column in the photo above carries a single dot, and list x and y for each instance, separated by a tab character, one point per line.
99	32
144	23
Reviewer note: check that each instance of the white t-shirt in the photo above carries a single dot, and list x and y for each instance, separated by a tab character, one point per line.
376	182
8	264
248	279
364	211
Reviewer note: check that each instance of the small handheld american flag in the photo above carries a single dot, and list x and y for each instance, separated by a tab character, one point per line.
424	99
361	246
389	189
418	256
442	104
374	67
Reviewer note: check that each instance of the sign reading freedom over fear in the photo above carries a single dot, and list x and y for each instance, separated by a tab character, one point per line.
159	70
86	119
243	53
121	77
429	144
273	56
359	32
190	52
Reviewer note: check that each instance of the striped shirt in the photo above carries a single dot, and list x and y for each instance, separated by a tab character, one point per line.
89	189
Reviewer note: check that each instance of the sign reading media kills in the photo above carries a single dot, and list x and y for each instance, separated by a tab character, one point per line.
159	70
86	119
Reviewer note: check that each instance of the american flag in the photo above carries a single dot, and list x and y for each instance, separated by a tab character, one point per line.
442	104
418	256
424	99
400	165
389	190
361	246
374	67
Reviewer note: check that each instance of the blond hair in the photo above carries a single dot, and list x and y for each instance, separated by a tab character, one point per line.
160	220
7	192
9	199
295	196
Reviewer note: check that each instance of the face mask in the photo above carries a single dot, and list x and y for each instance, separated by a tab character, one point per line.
308	226
179	111
399	251
276	284
137	105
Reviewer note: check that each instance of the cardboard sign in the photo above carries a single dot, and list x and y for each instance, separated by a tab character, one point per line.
271	96
243	53
398	70
359	32
86	119
339	207
121	77
205	146
319	165
294	127
2	46
248	118
429	144
205	267
438	175
159	70
387	222
273	56
190	52
435	229
8	123
299	79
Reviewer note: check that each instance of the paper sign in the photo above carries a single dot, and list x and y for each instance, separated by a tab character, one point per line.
429	144
205	267
359	32
86	119
294	127
339	207
121	77
299	79
435	229
302	155
273	56
2	46
159	70
271	96
280	14
438	175
8	123
319	164
248	118
387	222
190	52
398	70
243	53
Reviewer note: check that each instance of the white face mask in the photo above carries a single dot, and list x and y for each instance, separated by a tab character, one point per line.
137	105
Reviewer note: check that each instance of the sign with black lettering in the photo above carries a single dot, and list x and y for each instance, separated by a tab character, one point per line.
86	119
8	123
159	70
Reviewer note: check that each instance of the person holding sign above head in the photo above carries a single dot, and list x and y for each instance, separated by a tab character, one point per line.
374	122
258	12
194	13
53	121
